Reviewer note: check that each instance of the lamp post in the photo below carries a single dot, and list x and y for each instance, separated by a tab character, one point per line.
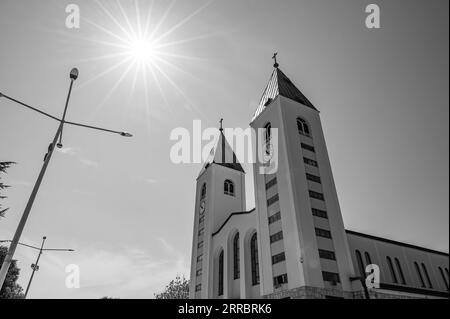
35	266
55	143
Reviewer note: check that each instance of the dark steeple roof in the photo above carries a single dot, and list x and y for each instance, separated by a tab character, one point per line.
280	84
223	155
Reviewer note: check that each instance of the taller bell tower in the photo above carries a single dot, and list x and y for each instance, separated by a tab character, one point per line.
305	253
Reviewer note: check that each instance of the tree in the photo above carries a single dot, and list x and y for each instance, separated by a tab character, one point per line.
176	289
11	289
3	167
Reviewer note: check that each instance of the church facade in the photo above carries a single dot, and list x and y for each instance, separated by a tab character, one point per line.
294	244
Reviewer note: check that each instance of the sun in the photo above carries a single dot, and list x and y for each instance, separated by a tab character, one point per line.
143	51
143	45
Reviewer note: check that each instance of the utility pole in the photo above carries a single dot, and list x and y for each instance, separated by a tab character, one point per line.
9	256
35	266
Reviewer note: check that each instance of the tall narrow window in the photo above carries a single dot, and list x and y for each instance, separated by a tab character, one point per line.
360	263
220	291
254	260
443	277
400	271
267	137
268	132
302	127
427	276
236	268
203	192
368	259
228	187
419	274
392	270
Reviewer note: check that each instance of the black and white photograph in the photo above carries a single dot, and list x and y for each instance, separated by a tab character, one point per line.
232	156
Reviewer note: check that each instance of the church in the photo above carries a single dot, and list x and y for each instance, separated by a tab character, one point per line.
294	243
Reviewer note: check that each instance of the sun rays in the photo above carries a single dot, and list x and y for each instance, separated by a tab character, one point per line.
138	45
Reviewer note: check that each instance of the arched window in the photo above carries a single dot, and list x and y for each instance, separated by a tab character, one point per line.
228	187
419	274
203	192
220	286
427	276
443	277
368	259
267	137
400	271
303	127
267	132
391	268
360	263
236	266
254	259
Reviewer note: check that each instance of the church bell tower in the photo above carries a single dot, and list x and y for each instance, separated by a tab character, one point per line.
305	253
220	190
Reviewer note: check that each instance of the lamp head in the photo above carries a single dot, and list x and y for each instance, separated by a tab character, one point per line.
126	134
74	74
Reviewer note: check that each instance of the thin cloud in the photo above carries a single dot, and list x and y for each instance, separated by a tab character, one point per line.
69	151
151	181
75	151
88	162
128	273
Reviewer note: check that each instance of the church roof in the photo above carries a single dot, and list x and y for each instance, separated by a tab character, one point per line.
229	217
222	154
280	84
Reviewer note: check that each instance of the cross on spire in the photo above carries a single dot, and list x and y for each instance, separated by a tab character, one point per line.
221	122
276	65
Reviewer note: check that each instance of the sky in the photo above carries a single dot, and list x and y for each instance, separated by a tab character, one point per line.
126	208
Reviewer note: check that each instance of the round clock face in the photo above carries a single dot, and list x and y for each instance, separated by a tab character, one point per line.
202	207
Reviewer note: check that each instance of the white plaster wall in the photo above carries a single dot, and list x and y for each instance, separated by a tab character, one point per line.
240	288
378	251
290	111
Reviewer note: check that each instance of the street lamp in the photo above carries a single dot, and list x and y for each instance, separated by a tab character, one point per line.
35	266
55	143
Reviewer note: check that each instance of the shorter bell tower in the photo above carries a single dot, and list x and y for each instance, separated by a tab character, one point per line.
220	190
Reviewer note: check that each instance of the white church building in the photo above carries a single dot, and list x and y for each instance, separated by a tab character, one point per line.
294	244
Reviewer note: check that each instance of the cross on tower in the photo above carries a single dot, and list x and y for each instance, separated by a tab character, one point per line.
221	122
276	65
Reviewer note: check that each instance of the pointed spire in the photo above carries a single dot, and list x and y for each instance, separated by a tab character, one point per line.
280	84
222	154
